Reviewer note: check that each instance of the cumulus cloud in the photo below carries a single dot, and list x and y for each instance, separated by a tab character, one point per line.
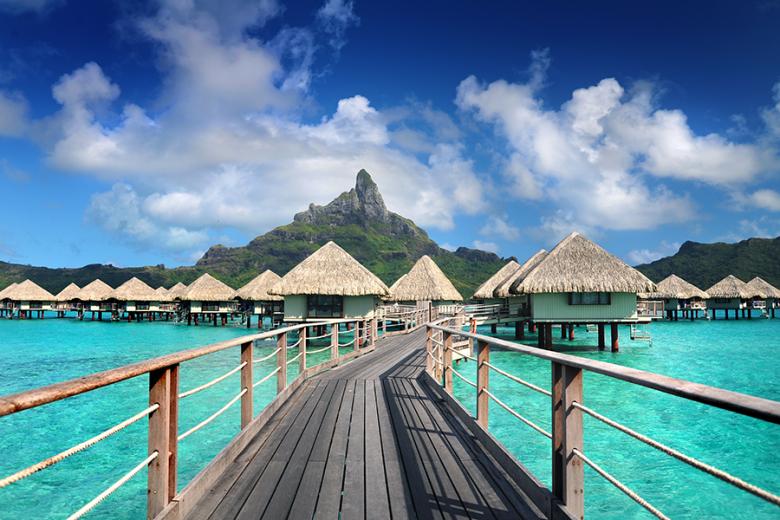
490	247
595	155
644	256
13	114
335	17
499	226
766	199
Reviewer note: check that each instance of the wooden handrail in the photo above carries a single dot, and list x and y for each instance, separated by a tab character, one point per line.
757	407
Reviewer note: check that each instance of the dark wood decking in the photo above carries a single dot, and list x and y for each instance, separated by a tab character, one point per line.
366	440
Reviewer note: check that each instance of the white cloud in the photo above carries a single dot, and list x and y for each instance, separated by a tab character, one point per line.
490	247
500	227
644	256
335	17
448	246
13	114
766	199
594	156
771	115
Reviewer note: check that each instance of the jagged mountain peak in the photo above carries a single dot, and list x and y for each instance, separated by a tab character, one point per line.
360	204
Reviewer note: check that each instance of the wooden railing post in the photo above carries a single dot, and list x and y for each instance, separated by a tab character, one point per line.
447	362
247	413
281	362
173	432
568	481
483	383
374	331
158	479
334	341
302	349
429	350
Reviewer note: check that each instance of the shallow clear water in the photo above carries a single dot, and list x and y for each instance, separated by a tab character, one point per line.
742	356
34	353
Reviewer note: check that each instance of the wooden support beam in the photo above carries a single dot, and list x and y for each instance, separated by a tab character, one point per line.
281	362
602	343
334	341
568	479
548	335
483	382
302	349
247	379
614	336
429	351
173	432
571	332
447	362
159	440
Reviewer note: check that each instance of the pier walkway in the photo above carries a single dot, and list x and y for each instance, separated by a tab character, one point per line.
368	439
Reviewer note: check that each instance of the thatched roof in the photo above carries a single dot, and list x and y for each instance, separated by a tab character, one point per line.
330	271
96	291
487	288
68	293
177	291
765	288
425	282
29	291
504	289
208	289
730	287
134	290
8	289
257	289
675	287
578	265
162	294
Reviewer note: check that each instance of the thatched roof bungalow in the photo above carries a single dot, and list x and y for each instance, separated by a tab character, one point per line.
485	291
329	283
580	282
677	293
255	296
68	293
730	293
504	288
5	291
136	296
771	293
425	282
209	295
95	296
28	295
163	295
177	291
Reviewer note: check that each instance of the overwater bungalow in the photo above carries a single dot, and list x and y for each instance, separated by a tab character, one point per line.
580	283
255	300
679	296
425	282
5	302
177	291
208	299
65	299
330	283
29	299
771	296
136	300
167	304
518	304
730	293
485	292
94	297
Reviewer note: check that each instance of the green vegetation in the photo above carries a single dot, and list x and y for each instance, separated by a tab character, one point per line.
705	264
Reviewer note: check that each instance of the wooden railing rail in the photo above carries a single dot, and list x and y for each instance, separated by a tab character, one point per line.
164	396
566	396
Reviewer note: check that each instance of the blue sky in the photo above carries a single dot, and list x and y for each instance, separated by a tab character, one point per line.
144	133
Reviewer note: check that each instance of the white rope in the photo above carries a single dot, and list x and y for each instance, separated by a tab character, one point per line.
19	475
462	377
113	487
269	356
296	343
518	380
438	343
211	417
348	343
266	378
715	472
526	421
318	350
622	487
434	359
320	337
296	357
212	382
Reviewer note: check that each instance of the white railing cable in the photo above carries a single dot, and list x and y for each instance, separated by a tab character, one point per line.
435	359
518	380
327	335
317	351
266	378
715	472
526	421
295	358
463	377
622	487
212	416
269	356
212	382
113	487
19	475
296	343
348	343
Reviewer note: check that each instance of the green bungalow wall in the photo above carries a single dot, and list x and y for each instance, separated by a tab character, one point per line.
721	303
36	306
554	307
295	307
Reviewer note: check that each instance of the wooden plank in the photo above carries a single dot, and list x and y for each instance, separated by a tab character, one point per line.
568	480
353	501
247	378
377	502
159	439
173	431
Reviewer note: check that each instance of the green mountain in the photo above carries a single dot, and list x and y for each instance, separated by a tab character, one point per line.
357	220
705	264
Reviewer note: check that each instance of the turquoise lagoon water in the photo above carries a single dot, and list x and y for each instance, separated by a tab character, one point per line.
34	353
738	355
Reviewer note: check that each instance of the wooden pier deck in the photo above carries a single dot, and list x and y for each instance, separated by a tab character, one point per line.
368	439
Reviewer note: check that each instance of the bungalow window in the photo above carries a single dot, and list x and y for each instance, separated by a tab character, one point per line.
322	306
722	300
590	298
209	307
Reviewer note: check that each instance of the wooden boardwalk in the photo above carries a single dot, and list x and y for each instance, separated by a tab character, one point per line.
366	440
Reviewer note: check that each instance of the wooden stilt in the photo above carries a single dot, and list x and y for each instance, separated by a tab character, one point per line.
494	328
602	343
548	335
614	336
519	329
540	337
564	327
571	332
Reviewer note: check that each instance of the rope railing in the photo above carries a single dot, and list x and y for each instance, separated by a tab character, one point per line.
292	360
295	344
348	343
266	378
518	380
327	335
622	487
212	382
435	359
463	378
317	351
269	356
711	470
513	412
89	506
212	416
19	475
